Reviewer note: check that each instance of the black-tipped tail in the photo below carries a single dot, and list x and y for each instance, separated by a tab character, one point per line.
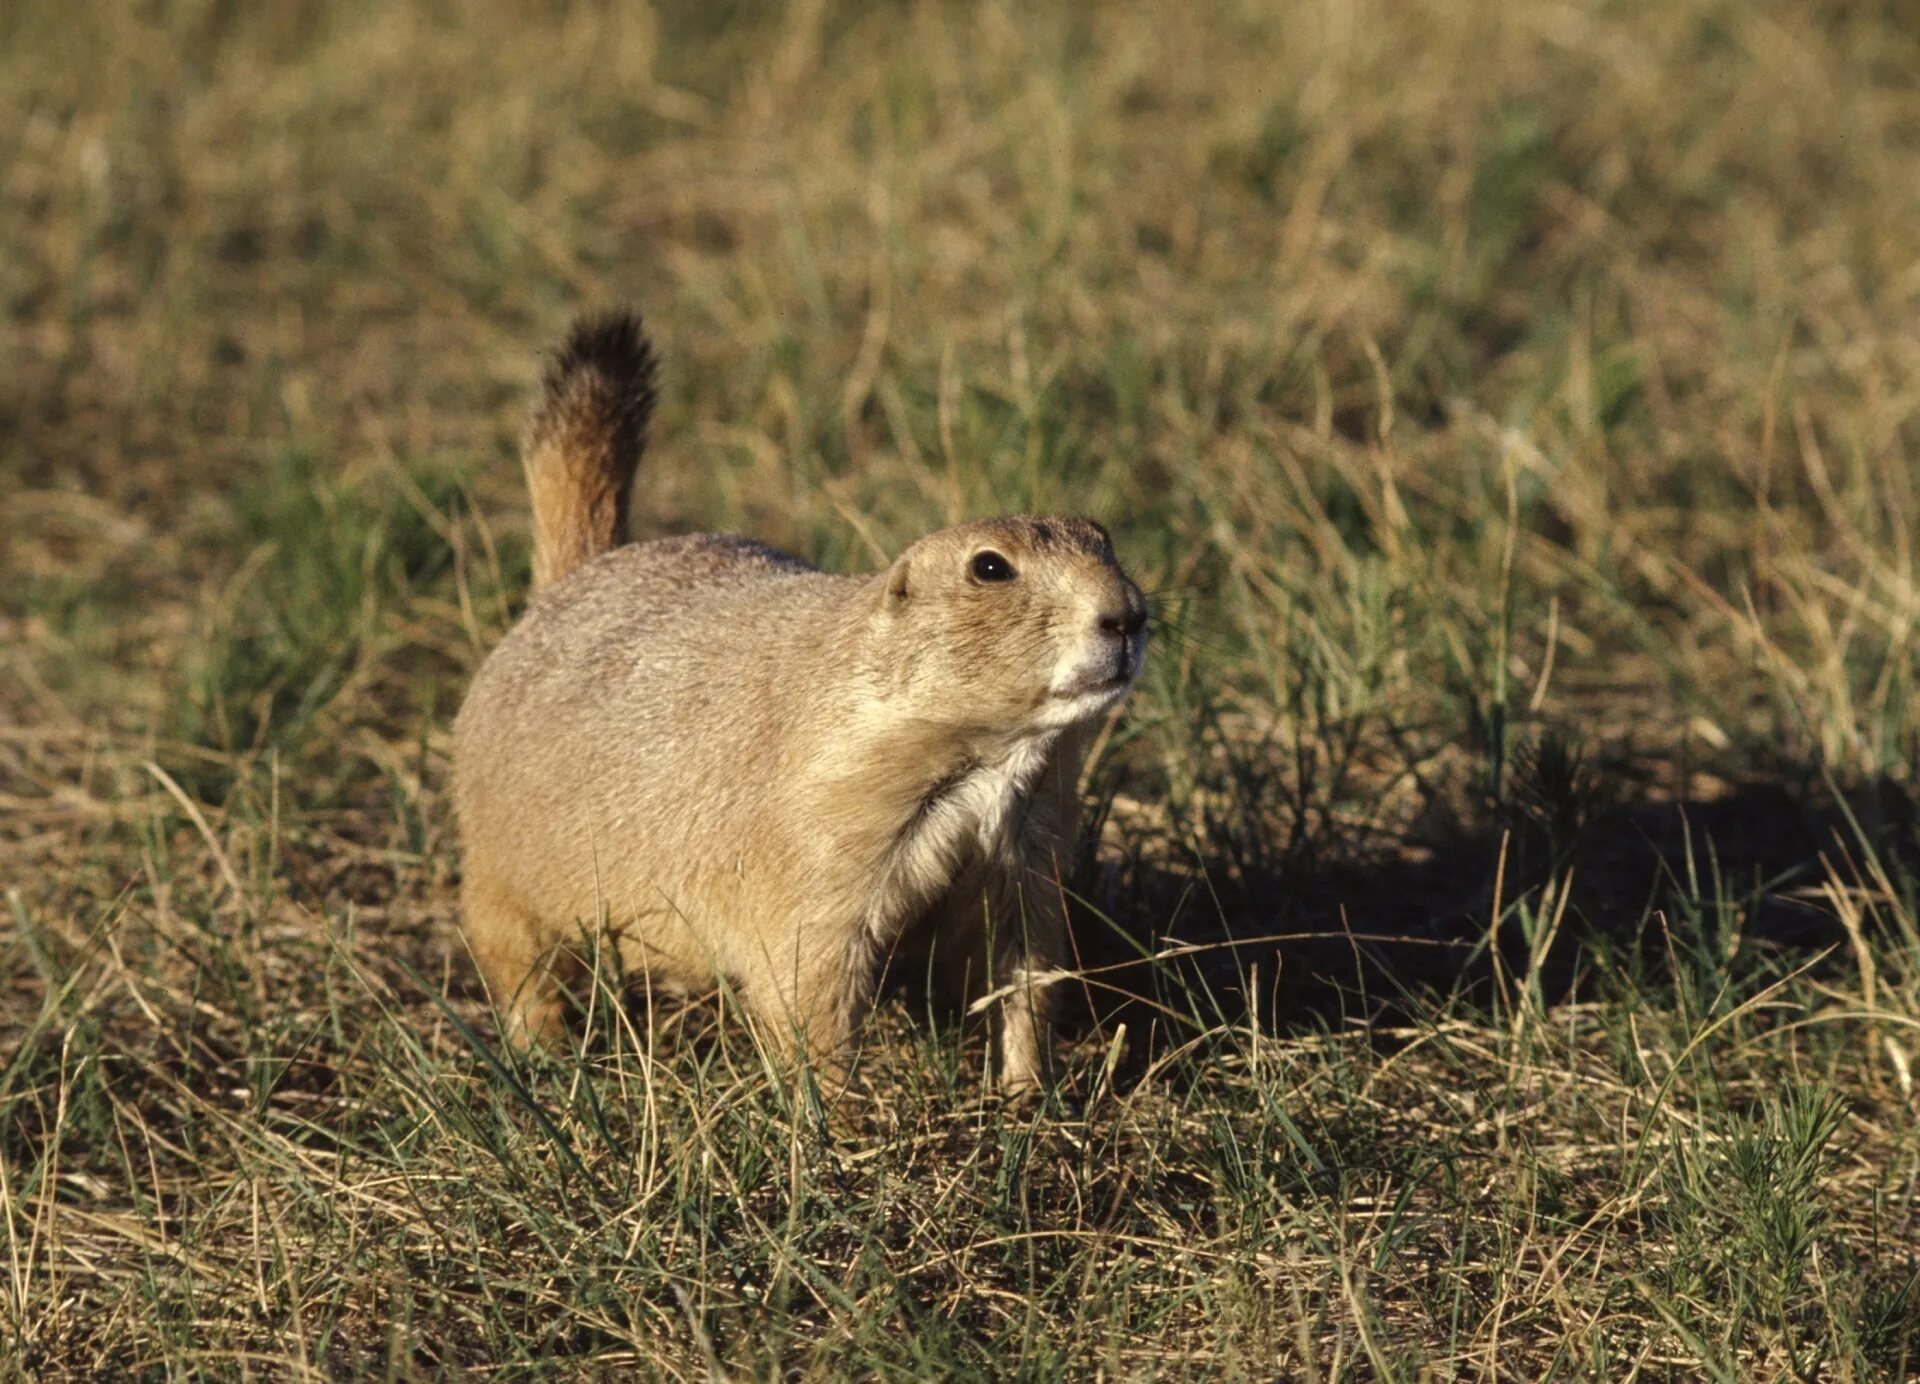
586	440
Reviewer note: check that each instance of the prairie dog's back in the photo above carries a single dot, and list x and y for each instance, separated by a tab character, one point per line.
628	606
648	691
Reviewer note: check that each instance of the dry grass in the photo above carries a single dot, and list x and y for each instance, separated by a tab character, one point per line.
1502	951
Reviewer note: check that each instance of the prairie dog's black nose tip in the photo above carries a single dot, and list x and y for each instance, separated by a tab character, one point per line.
1126	622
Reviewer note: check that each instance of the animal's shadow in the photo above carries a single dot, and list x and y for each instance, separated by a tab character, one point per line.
1321	939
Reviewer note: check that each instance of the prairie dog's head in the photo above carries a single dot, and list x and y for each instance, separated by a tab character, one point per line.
1012	625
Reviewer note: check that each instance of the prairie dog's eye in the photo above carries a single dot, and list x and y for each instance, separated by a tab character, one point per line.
990	566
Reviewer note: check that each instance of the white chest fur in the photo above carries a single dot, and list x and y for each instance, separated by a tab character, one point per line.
974	815
988	802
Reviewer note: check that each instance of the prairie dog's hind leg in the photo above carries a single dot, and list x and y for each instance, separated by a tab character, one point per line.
519	964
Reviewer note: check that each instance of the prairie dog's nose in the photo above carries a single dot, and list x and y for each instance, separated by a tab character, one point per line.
1128	620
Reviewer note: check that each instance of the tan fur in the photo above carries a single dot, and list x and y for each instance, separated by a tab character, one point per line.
738	767
585	442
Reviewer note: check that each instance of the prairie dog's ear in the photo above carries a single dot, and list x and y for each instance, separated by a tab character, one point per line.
899	581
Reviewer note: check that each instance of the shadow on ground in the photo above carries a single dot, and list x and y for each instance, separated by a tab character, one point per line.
1333	942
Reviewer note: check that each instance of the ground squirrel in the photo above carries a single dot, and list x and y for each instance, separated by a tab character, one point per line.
741	768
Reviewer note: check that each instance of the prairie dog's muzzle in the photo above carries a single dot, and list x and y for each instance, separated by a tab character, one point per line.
1108	657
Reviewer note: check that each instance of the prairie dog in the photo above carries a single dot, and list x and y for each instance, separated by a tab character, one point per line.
735	766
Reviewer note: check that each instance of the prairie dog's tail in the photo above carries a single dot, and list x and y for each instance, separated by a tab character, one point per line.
585	442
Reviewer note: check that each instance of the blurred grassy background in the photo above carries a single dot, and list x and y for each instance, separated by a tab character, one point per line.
1513	409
